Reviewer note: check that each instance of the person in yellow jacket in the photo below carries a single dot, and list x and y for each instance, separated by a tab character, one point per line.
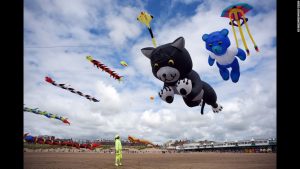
118	147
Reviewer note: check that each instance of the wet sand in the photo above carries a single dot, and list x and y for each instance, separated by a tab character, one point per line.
52	160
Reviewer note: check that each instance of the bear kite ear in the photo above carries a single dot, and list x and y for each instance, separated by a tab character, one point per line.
204	37
147	51
179	43
224	32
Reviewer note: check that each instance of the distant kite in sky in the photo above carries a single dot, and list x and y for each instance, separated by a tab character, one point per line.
104	68
49	115
63	86
146	18
123	63
151	98
236	13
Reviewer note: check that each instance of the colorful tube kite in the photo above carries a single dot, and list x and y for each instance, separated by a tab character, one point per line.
146	18
60	142
104	68
49	80
236	13
49	115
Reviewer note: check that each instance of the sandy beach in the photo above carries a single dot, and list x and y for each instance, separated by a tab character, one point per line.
92	160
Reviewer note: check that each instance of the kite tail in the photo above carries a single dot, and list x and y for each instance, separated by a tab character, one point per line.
202	107
81	94
233	30
91	98
120	78
241	32
248	30
153	38
48	79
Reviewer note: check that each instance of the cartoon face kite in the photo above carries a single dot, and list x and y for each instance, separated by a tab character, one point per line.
221	50
172	64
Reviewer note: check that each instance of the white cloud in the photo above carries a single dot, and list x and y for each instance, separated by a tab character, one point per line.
122	26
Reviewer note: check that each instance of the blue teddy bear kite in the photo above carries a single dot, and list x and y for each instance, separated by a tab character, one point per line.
219	48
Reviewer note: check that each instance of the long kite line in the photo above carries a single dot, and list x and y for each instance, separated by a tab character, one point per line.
63	86
49	115
104	68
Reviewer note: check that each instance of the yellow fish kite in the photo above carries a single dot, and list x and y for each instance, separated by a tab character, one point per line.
146	18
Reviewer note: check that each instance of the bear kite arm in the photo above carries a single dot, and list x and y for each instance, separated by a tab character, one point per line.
211	61
196	84
241	54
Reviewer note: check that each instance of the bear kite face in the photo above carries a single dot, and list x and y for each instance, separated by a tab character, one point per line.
169	62
217	42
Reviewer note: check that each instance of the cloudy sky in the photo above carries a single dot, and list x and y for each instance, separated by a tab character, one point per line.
59	34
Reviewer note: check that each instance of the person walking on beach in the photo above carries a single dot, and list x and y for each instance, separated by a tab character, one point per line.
118	147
